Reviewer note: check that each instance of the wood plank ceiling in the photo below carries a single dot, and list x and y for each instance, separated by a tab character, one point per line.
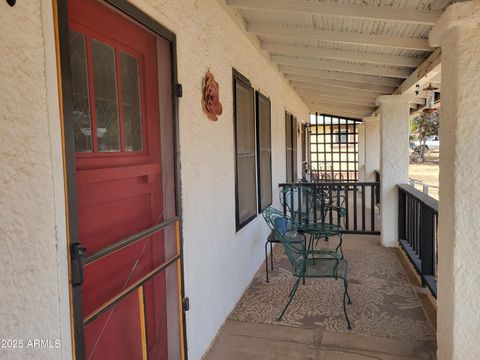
340	55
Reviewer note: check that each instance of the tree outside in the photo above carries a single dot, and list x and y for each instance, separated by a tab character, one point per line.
423	126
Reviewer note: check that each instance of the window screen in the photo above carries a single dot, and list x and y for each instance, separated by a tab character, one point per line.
264	146
291	147
244	115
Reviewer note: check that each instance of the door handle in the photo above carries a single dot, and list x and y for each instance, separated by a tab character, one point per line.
77	254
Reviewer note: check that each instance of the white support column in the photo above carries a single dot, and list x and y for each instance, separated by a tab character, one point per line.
372	146
458	33
361	152
394	110
372	150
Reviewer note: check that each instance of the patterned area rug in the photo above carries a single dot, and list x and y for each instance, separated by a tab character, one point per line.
384	302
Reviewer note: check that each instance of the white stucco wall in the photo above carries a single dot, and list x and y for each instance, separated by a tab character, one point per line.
458	33
34	302
372	147
394	112
361	152
219	263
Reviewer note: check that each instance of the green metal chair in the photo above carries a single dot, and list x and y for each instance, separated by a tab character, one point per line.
321	265
309	208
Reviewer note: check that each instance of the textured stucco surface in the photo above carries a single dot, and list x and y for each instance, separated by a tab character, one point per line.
393	161
458	33
219	263
372	150
372	146
361	152
33	301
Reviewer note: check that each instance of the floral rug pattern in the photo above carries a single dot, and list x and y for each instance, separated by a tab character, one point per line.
384	302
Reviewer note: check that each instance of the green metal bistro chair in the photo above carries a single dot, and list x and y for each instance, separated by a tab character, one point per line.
302	264
309	208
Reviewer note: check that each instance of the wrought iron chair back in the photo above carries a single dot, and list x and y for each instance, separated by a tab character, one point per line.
298	201
304	262
307	204
286	230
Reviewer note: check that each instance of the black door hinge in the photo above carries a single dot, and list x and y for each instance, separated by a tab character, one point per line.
185	304
77	253
179	90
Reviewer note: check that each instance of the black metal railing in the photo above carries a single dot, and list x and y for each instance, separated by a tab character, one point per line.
417	232
358	199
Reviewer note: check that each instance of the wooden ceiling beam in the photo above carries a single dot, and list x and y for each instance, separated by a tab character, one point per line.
342	67
340	37
336	75
284	49
342	84
334	91
344	106
331	98
402	15
336	111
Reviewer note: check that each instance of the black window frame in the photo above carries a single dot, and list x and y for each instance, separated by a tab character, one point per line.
242	80
258	97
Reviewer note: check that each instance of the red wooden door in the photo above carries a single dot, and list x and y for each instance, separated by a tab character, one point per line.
118	78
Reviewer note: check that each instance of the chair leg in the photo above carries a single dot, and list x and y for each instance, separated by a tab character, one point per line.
348	298
290	297
345	296
266	259
339	246
271	256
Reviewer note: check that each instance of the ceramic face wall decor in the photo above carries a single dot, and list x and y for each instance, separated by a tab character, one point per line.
210	98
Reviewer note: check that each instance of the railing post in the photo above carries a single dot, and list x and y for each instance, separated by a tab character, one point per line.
427	247
402	197
425	188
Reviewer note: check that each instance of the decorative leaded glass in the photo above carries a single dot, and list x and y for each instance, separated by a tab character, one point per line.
82	123
106	101
132	116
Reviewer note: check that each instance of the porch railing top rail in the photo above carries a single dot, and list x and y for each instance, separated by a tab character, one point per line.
420	196
329	183
359	199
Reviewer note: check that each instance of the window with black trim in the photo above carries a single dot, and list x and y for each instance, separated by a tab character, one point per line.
245	152
264	146
291	147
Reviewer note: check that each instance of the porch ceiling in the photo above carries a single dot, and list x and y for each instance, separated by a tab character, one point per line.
339	55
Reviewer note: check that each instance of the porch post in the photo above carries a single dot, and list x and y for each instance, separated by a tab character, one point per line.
361	152
394	110
372	146
458	33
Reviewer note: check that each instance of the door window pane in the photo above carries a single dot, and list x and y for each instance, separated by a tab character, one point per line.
106	104
82	124
132	117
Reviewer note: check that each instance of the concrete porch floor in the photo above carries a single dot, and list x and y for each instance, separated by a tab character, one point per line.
258	339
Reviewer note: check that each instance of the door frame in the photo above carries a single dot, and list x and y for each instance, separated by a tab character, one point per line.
66	106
